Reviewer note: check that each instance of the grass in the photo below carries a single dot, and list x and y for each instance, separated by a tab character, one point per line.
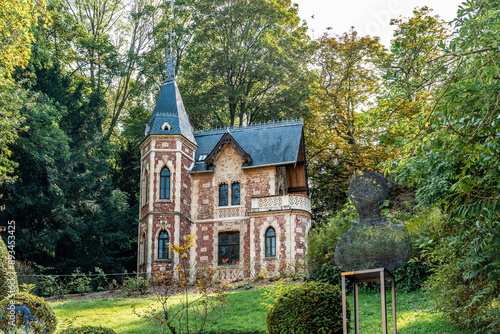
243	313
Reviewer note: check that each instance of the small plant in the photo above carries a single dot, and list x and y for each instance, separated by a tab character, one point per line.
133	285
261	275
50	285
100	282
80	282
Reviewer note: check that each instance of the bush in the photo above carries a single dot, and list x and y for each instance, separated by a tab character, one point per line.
80	282
311	307
88	330
8	277
132	285
38	308
50	285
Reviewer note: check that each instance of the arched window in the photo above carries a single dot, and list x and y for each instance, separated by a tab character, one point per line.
163	245
223	194
165	183
146	188
235	193
270	242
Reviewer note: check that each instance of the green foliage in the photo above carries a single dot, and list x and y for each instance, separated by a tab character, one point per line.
133	285
50	285
88	330
452	156
8	277
247	63
38	308
307	308
321	246
79	282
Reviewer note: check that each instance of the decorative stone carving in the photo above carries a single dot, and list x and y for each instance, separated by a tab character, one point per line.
373	242
281	181
228	166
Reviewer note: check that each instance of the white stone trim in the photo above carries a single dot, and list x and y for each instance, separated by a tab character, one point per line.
158	169
149	244
169	150
157	243
272	223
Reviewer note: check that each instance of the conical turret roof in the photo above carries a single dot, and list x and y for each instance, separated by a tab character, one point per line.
169	116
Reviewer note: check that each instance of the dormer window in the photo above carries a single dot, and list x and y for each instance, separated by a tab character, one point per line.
166	126
202	157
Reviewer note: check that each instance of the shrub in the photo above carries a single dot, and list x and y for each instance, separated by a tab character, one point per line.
321	247
132	285
88	330
8	277
311	307
50	285
38	308
80	282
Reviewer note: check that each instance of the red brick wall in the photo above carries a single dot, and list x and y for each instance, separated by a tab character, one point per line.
205	199
186	186
167	144
303	222
205	246
257	184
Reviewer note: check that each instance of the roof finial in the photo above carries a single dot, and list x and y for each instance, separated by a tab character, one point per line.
170	66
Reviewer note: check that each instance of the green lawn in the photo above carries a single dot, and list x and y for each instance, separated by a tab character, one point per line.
243	313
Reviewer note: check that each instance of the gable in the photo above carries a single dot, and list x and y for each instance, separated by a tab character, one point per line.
227	139
267	145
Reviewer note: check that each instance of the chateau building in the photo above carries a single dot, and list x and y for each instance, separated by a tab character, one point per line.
242	191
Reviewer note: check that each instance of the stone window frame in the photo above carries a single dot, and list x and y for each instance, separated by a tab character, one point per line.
222	184
277	231
232	193
231	228
156	249
158	170
229	193
168	180
271	239
218	247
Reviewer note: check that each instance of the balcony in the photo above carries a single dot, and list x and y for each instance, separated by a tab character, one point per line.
283	202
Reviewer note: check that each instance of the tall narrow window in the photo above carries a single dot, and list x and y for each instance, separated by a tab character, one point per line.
165	183
146	188
229	248
143	257
270	242
163	245
223	194
235	193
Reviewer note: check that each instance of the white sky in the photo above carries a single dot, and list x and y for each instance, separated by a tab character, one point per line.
369	17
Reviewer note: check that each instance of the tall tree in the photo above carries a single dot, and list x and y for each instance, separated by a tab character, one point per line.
247	62
453	158
339	140
18	20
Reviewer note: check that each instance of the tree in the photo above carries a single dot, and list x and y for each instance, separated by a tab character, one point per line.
17	22
339	140
453	158
247	63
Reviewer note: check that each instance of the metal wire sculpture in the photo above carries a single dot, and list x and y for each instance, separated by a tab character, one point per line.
373	242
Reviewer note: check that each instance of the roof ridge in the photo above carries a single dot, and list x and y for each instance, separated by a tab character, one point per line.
262	125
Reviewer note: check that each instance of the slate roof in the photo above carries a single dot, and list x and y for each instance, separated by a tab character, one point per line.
169	108
267	144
